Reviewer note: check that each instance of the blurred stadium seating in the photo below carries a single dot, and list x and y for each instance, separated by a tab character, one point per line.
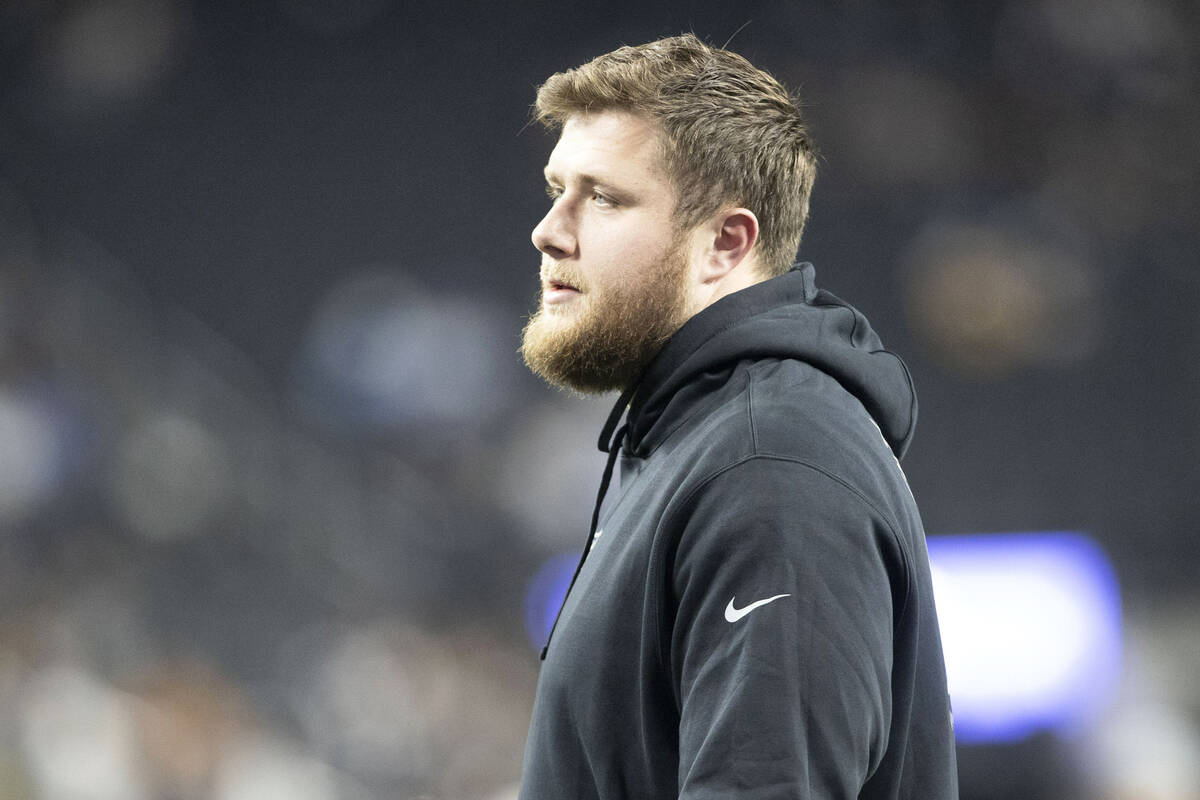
274	486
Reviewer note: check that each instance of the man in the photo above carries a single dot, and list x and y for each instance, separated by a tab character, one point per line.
753	615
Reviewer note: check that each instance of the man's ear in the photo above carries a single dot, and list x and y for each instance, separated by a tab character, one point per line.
732	234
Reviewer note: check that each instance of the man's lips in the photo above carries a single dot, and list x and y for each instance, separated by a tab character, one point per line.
557	291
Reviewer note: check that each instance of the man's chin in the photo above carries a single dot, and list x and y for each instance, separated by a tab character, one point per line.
560	315
599	342
551	329
557	349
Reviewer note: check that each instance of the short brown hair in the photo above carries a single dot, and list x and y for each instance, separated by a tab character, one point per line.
733	134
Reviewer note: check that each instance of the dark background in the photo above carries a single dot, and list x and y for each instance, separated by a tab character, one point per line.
274	483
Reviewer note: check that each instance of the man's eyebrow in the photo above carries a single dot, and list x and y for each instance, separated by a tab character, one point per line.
582	177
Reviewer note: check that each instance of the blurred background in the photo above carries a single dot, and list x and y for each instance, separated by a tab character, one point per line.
281	512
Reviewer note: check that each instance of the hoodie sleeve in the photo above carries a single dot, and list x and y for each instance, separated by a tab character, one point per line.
784	586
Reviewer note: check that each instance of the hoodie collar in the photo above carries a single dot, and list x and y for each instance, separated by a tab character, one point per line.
783	317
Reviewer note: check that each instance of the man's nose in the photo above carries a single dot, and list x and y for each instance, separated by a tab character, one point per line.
554	235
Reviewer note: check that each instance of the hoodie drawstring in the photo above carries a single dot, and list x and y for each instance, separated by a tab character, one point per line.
609	443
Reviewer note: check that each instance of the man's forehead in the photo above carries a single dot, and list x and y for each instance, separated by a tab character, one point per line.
606	144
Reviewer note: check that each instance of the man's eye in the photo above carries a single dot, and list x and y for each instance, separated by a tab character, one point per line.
553	192
603	200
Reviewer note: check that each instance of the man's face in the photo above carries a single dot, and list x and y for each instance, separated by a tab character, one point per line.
614	267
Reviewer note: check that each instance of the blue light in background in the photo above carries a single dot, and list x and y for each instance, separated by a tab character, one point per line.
1030	622
1031	626
545	594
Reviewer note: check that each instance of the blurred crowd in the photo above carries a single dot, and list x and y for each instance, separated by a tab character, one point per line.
204	597
272	501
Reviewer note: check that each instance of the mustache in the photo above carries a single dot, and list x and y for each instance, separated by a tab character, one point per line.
556	274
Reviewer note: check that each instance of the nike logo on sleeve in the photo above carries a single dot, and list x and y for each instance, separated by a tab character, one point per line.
734	614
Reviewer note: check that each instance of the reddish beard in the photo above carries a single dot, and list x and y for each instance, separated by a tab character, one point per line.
605	342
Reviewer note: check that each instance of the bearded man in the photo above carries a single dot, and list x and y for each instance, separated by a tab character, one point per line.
753	615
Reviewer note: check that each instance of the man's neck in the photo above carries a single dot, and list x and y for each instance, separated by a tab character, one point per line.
743	276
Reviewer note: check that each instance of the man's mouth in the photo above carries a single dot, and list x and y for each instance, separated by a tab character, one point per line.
558	292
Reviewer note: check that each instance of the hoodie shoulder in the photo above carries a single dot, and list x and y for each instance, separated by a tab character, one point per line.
784	319
797	412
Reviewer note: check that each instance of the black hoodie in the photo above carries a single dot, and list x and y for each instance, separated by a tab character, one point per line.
754	618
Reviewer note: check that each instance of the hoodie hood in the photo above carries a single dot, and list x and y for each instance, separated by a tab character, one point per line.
785	317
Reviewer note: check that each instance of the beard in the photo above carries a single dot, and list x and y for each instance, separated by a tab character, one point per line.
608	335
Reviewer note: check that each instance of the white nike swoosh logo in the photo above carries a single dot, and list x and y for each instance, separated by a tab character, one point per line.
734	614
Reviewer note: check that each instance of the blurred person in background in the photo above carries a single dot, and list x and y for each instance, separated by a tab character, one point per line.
753	613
